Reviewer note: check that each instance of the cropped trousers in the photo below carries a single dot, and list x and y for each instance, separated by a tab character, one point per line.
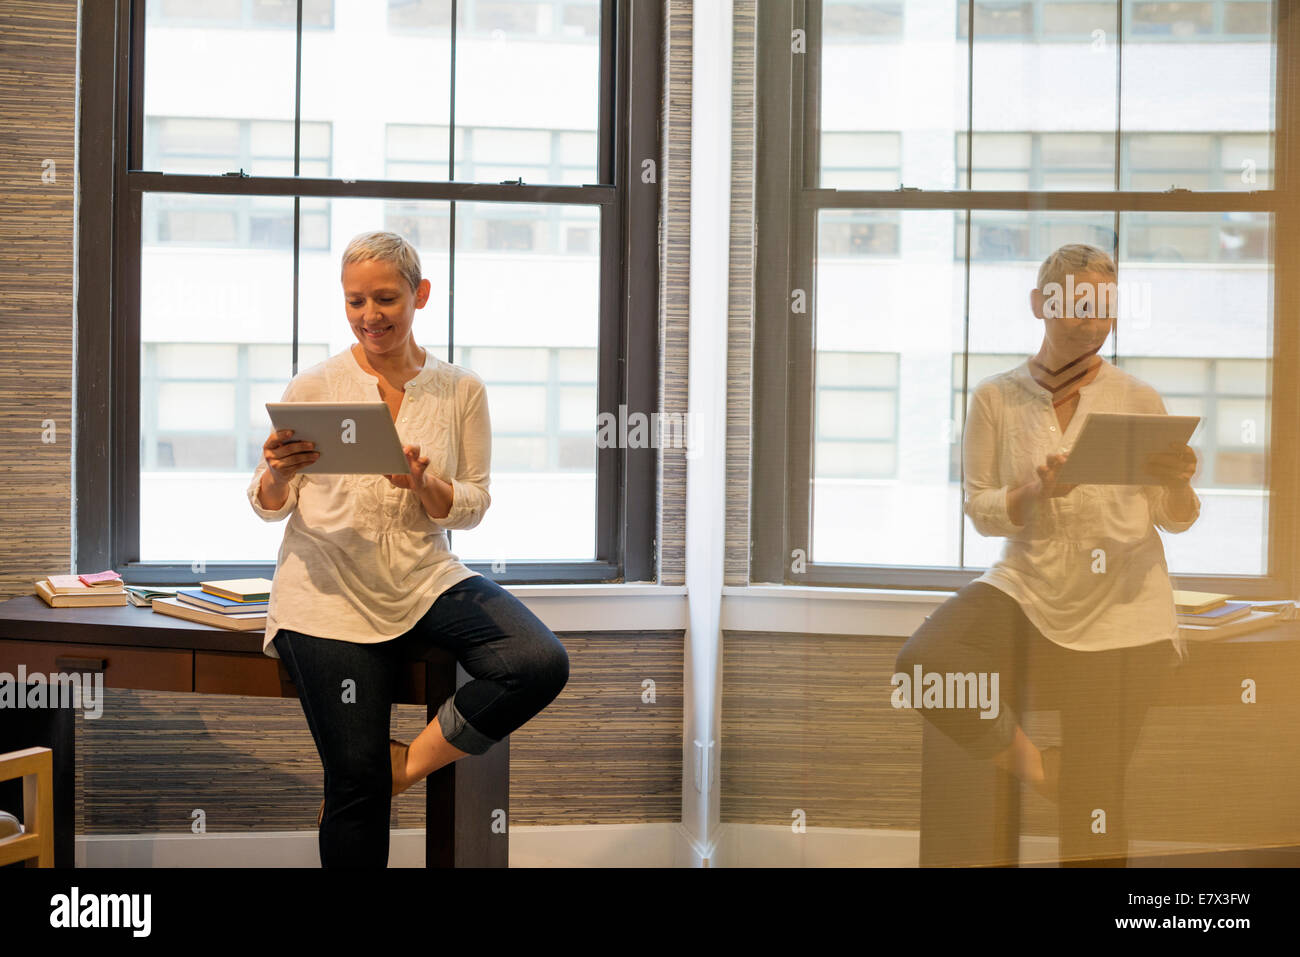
517	665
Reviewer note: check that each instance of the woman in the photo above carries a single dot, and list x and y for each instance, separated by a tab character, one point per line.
1080	599
365	579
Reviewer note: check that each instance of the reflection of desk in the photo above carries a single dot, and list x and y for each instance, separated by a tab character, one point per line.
141	649
970	810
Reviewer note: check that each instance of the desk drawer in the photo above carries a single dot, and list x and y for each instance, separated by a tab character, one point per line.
152	669
260	676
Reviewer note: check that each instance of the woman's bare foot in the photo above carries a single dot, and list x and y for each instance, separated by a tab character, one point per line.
1050	785
1040	769
397	752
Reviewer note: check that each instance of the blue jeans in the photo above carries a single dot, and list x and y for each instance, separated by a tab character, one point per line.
518	667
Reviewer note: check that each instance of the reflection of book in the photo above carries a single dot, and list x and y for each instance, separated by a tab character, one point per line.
1228	611
247	621
1252	622
1197	602
1284	610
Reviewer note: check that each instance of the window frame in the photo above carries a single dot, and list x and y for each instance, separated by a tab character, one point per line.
787	202
106	516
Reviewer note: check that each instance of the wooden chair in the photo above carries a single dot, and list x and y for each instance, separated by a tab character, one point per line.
36	844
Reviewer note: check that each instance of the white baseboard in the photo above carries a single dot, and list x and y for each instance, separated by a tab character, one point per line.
597	845
594	845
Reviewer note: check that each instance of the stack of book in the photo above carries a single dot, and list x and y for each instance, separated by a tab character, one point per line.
142	596
77	591
238	604
1206	615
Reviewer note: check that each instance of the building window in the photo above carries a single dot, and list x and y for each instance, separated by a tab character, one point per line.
246	170
913	224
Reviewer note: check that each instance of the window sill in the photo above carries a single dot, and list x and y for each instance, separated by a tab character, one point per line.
606	608
826	610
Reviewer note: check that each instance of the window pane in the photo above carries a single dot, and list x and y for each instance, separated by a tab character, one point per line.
891	101
854	19
1075	19
1003	330
527	307
412	89
1204	342
886	329
1242	18
1181	19
200	433
209	84
1187	95
522	73
1062	92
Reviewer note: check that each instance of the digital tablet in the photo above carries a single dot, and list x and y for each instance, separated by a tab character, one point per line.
351	437
1113	447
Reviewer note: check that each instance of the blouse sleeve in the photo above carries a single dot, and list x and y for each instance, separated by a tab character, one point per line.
986	495
469	486
290	503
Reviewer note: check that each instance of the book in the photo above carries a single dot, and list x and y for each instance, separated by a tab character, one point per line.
72	585
247	621
240	589
143	596
1197	602
66	584
1284	610
1255	621
217	603
106	579
1228	611
88	597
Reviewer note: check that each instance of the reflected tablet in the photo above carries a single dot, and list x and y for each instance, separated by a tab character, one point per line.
1113	447
352	437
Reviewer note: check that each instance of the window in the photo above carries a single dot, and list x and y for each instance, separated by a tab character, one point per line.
251	155
902	232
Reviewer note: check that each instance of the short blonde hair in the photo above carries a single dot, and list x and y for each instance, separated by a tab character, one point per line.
1074	258
385	247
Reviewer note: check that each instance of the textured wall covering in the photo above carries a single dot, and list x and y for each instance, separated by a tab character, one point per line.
807	724
674	280
38	64
740	312
596	755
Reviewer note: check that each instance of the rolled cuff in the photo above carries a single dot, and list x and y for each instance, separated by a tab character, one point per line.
459	732
988	512
468	502
267	514
1162	515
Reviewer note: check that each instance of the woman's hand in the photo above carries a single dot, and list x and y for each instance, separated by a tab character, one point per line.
435	494
1173	469
418	465
1048	487
284	456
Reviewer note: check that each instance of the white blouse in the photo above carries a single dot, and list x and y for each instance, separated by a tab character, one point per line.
361	560
1088	568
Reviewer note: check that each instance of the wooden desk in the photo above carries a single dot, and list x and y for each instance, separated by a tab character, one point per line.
141	649
970	810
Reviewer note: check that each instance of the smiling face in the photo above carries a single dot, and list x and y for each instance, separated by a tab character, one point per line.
378	298
1078	314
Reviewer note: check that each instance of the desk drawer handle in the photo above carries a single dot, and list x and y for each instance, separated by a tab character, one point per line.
80	664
